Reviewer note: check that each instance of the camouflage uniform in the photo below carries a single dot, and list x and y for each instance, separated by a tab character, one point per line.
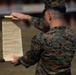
40	24
53	51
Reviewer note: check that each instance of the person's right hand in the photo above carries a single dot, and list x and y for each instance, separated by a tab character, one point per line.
15	60
19	16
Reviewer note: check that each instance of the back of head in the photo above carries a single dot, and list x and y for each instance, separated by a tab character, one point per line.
56	14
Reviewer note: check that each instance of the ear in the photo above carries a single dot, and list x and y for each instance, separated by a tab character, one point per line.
50	16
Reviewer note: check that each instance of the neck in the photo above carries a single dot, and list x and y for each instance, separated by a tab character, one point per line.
55	23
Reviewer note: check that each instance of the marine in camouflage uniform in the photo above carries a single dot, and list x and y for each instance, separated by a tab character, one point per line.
52	49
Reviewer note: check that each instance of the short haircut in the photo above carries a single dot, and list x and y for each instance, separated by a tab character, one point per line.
56	13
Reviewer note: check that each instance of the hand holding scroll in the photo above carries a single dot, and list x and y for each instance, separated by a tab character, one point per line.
15	60
19	16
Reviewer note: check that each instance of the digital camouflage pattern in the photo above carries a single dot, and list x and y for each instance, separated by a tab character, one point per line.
54	3
53	51
40	24
58	5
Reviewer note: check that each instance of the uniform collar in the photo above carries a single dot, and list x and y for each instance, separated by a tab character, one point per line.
58	28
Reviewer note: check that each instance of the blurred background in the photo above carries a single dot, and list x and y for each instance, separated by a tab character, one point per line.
34	8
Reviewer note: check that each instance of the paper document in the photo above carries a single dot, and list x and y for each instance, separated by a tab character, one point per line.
11	40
